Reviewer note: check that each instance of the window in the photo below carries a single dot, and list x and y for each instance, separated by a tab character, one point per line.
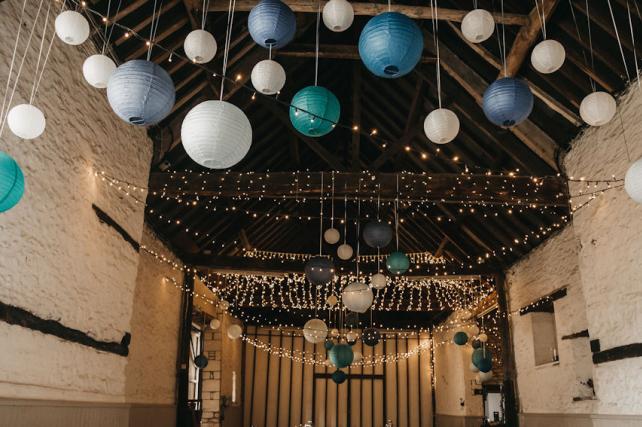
194	373
544	335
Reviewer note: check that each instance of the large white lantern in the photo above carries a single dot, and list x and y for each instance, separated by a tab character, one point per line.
71	27
441	126
548	56
598	108
478	25
357	297
200	46
26	121
331	236
97	69
216	134
234	331
345	252
633	181
315	331
268	77
378	281
338	15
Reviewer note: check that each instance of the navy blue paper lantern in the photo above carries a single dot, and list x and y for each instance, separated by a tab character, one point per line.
341	355
314	111
390	45
339	376
460	338
485	365
377	234
508	102
201	361
12	182
370	337
272	24
319	270
476	343
141	93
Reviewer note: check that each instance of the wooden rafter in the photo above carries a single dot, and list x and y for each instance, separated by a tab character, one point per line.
330	51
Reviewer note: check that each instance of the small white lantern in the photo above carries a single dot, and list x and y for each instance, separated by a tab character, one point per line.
200	46
215	324
633	181
97	69
234	332
338	15
352	336
332	300
548	56
357	297
26	121
334	333
478	25
268	77
441	126
378	281
331	236
223	305
345	252
598	108
356	357
315	331
71	27
482	337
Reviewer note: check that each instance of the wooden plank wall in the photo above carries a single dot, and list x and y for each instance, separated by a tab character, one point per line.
279	392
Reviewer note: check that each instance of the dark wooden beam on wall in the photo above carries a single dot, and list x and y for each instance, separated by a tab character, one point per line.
330	51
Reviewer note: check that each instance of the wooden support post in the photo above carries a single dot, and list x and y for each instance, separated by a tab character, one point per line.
183	412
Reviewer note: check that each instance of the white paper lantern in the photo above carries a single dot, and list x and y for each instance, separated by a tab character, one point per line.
224	305
332	300
357	297
215	324
331	236
97	69
216	134
200	46
633	181
478	25
327	362
485	376
441	126
315	331
26	121
352	336
268	77
234	332
378	281
345	252
598	108
482	337
548	56
334	333
356	357
473	330
338	15
473	368
71	27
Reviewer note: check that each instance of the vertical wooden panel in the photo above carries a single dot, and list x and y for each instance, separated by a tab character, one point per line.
296	397
260	384
289	397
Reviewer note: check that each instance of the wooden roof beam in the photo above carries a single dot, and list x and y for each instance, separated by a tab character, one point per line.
331	51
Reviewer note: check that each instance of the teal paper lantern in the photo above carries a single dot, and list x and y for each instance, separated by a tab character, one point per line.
12	182
314	111
482	358
341	355
339	376
397	263
328	344
485	365
460	338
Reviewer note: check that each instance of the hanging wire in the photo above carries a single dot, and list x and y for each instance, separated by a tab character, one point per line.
626	143
332	205
228	37
13	58
504	40
42	70
42	44
590	35
358	225
316	47
151	32
579	37
111	30
619	42
635	55
435	35
321	217
206	6
397	212
106	26
345	218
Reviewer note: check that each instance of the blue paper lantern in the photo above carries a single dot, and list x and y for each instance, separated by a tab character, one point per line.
508	102
341	355
141	93
12	182
272	24
314	111
397	263
377	234
319	270
339	376
460	338
391	45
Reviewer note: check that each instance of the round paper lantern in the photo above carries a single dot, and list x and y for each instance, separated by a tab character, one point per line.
598	108
357	297
633	181
370	337
485	364
331	236
215	324
397	263
141	93
460	338
234	331
378	281
345	252
224	305
377	234
334	332
473	368
476	343
216	134
268	77
485	376
327	362
71	27
338	15
26	121
200	46
548	56
314	111
341	355
201	361
508	102
332	300
480	354
271	24
339	376
319	270
482	337
478	25
12	182
315	331
352	337
391	45
441	126
328	344
357	357
97	69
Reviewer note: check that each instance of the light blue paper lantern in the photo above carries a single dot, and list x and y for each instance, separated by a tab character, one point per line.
391	45
12	182
508	102
141	93
341	355
314	111
272	24
397	263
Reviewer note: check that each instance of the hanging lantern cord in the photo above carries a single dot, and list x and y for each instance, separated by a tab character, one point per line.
206	6
397	213
435	32
321	218
316	51
541	14
228	36
358	224
156	14
332	203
